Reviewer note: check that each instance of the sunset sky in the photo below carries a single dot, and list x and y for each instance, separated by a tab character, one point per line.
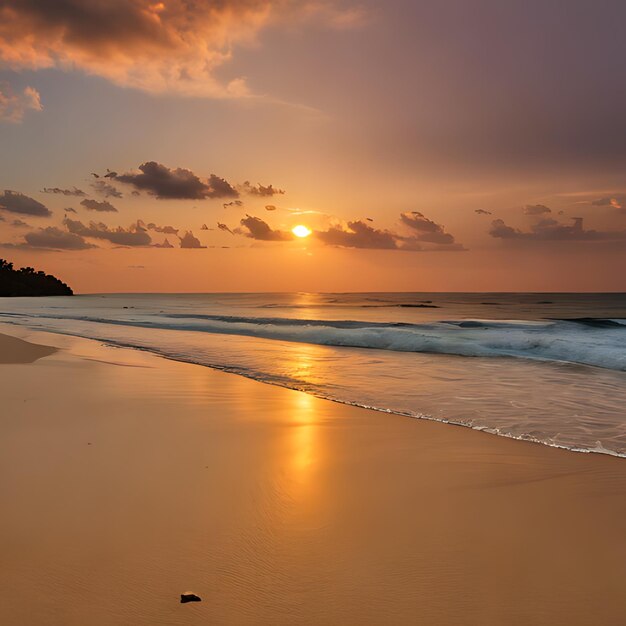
445	145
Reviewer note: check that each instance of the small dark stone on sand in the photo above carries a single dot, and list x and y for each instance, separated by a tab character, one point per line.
189	597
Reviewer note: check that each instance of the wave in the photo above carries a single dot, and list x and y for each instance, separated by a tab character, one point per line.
587	341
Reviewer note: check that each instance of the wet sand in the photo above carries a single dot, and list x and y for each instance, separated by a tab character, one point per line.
14	350
127	479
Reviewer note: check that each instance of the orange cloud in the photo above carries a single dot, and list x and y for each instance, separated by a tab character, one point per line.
170	46
13	105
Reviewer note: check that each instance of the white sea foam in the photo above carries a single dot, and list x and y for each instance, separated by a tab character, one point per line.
596	342
529	377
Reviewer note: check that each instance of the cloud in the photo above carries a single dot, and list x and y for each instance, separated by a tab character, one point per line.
189	241
256	228
74	191
173	46
536	209
177	184
549	229
427	230
70	210
13	106
358	234
16	202
607	201
95	205
260	190
168	230
232	203
482	212
103	188
131	236
165	244
51	238
224	228
270	207
20	224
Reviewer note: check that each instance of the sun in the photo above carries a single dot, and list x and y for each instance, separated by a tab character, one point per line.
301	231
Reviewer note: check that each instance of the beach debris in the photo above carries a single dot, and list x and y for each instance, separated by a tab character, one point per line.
188	596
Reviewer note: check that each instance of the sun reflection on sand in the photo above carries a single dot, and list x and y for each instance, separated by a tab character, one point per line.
304	438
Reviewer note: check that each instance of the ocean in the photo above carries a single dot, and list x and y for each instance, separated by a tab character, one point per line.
547	368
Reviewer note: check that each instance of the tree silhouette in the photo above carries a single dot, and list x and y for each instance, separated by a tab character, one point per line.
28	282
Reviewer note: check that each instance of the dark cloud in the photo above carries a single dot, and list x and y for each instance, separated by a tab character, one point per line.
256	228
95	205
220	188
536	209
482	212
20	224
601	202
105	189
270	207
260	190
232	203
165	244
16	202
549	229
168	230
74	191
51	238
188	240
70	210
132	236
358	234
608	201
224	228
204	227
177	184
427	230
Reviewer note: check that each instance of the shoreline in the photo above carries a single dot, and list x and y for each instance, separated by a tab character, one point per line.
6	326
129	478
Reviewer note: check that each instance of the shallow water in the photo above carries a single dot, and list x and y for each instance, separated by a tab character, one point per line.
544	367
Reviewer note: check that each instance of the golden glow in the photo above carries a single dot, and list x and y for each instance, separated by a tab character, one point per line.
301	231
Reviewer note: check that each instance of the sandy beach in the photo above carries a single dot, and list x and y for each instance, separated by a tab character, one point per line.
127	479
